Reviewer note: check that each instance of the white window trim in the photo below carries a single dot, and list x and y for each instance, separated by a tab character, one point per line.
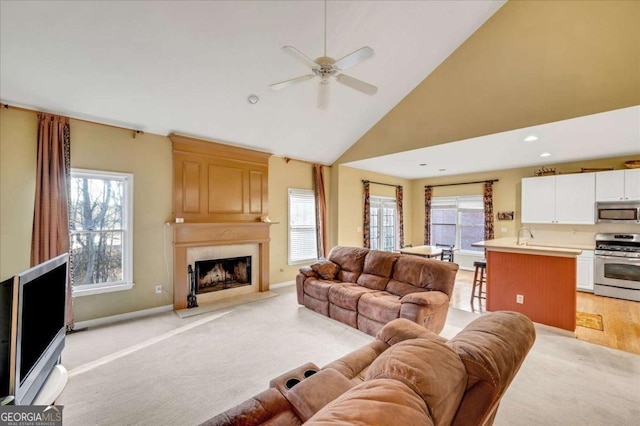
302	261
456	200
127	260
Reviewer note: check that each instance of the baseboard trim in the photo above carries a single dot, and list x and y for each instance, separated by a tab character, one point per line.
282	284
121	317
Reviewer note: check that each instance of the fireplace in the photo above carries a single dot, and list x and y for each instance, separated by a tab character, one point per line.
222	274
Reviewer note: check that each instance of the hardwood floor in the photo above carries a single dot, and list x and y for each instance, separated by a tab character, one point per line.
620	318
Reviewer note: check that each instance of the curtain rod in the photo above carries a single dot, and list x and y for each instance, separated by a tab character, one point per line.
380	183
463	183
288	159
135	131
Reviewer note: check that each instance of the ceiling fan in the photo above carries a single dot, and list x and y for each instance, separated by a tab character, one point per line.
326	67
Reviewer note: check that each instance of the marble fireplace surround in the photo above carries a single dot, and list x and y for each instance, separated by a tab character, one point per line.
187	236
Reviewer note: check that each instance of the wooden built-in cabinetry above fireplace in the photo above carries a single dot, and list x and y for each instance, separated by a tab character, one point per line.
218	183
221	194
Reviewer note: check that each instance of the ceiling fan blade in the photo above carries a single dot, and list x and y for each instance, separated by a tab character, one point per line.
354	58
300	56
359	85
323	94
287	83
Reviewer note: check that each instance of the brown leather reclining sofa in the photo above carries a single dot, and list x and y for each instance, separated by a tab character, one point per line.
406	376
368	288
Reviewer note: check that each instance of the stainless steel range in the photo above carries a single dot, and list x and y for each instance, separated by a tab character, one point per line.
617	272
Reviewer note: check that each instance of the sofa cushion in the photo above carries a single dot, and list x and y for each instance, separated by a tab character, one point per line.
347	295
355	364
378	267
376	402
350	260
430	368
326	269
426	273
318	289
402	289
379	306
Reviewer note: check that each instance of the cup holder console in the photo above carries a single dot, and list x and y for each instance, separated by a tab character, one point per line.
291	383
289	379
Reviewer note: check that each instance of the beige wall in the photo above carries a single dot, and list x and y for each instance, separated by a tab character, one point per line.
282	176
350	202
97	147
18	136
532	62
148	157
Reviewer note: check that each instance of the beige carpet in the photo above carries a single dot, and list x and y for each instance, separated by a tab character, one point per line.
164	370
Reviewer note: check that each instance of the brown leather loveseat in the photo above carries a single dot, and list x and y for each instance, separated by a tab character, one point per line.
368	288
406	376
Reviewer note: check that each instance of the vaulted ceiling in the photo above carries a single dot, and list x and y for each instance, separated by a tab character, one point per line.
447	71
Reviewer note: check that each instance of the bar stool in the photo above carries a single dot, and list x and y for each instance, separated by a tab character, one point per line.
478	281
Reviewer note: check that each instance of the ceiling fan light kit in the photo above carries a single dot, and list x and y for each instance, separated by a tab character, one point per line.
326	67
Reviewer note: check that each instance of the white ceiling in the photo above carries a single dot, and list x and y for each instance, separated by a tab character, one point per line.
608	134
188	67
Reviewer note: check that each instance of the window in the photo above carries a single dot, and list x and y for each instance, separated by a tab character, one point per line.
302	226
458	221
382	225
101	225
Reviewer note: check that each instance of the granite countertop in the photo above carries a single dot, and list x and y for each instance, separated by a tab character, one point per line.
531	246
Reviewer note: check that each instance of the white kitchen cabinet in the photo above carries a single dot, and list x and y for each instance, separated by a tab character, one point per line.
584	276
618	185
559	199
538	200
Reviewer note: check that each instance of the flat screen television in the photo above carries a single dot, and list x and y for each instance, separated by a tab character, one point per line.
32	327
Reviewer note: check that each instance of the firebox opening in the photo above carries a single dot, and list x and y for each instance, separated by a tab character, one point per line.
222	274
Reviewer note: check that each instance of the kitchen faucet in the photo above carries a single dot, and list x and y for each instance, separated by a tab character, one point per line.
522	229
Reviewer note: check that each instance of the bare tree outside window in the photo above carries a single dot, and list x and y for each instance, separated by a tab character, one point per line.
98	228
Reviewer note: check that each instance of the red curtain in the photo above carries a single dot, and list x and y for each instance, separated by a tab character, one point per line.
50	236
400	216
321	209
427	215
366	222
488	210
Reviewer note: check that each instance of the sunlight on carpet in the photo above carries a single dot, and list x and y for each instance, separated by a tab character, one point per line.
586	320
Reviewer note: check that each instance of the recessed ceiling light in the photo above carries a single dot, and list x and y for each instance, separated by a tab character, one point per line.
253	99
545	154
422	164
531	138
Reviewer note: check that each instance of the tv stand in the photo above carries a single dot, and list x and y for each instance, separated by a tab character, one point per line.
53	386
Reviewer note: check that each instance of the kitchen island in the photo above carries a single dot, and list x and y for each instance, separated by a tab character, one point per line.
536	280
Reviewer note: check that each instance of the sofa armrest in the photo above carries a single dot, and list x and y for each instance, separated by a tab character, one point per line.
428	308
426	298
267	406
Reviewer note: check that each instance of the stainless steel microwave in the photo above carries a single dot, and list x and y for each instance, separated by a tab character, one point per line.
618	212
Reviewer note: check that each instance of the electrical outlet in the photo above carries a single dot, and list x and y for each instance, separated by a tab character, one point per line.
503	230
159	289
520	299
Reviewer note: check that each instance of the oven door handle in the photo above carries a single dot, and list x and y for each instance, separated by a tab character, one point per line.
630	259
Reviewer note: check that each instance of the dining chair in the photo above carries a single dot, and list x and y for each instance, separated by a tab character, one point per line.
447	252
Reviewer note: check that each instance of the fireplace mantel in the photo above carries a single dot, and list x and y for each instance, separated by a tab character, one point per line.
186	235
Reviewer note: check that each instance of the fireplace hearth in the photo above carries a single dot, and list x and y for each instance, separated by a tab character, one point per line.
222	274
